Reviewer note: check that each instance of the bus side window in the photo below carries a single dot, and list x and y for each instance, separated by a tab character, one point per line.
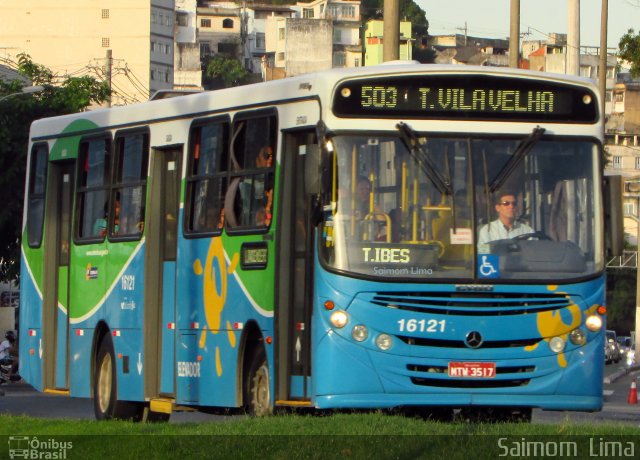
249	197
37	188
93	184
207	176
130	185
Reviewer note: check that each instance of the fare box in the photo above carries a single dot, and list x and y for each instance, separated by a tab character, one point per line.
472	370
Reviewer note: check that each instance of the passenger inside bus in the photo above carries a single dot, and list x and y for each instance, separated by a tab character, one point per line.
263	188
506	226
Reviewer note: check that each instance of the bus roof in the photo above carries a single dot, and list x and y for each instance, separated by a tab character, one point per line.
314	85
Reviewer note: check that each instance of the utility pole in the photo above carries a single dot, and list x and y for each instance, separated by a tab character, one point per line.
465	32
604	17
391	32
108	66
573	38
514	35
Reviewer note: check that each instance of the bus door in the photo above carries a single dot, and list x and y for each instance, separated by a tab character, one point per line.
57	258
295	274
160	269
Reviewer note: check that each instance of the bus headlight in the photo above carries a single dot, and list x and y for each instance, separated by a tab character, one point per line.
359	332
339	319
556	344
594	323
578	337
384	342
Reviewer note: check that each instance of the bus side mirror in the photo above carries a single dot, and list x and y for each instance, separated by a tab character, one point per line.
312	171
614	226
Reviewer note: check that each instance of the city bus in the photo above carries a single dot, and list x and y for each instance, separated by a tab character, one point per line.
316	242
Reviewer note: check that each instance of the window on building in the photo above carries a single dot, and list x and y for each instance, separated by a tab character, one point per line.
638	162
129	186
207	177
618	97
307	13
585	71
337	35
105	13
629	208
281	33
339	60
206	23
348	11
227	23
260	40
280	56
356	62
205	49
617	161
332	11
183	19
227	48
105	42
37	188
608	96
154	18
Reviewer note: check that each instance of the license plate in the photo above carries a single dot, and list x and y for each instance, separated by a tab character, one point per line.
472	370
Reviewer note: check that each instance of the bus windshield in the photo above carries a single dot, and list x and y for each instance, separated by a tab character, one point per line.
463	208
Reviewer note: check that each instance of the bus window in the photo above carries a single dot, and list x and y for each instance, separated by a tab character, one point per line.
37	183
93	183
129	187
249	198
206	178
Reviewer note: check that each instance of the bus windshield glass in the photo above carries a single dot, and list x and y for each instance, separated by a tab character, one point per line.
463	208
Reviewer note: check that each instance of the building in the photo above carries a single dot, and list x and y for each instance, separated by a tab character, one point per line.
323	34
187	67
468	50
72	37
374	42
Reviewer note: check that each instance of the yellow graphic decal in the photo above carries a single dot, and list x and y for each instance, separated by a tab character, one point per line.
215	273
550	324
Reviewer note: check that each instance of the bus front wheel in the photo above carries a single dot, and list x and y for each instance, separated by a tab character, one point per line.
258	397
105	390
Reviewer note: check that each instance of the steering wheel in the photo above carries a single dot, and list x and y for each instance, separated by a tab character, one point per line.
536	235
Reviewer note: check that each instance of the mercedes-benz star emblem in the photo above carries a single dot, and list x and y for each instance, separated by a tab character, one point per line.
473	339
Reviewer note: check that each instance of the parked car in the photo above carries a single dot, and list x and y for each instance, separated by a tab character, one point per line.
625	344
616	355
607	353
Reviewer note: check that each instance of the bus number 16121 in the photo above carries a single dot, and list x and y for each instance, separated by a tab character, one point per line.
421	325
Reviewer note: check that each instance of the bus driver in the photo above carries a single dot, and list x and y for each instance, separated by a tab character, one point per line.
505	226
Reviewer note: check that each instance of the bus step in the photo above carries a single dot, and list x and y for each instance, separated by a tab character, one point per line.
53	391
162	405
294	403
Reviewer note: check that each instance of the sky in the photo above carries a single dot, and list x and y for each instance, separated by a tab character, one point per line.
490	18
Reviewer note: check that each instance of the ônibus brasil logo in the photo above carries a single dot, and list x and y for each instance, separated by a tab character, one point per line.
34	448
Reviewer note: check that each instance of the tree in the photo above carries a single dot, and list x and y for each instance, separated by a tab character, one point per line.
229	70
61	96
629	50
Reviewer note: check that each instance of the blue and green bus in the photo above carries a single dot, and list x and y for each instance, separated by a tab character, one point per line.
321	242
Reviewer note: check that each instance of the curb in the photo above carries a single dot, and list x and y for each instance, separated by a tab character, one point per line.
620	373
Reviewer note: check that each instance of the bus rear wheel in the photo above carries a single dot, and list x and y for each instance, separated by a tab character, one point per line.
258	397
105	389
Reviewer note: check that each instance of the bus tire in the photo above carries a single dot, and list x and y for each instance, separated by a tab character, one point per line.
258	397
105	388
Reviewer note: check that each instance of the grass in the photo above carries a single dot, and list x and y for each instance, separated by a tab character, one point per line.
337	436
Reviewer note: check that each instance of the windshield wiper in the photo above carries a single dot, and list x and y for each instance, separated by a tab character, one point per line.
519	153
410	138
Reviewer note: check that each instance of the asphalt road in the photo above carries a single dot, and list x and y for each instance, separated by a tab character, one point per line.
20	398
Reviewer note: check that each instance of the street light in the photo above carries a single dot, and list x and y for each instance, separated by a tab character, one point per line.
25	90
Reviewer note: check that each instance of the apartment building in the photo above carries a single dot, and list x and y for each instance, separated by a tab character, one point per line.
72	37
187	67
374	42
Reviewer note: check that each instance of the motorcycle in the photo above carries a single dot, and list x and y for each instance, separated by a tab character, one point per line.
6	364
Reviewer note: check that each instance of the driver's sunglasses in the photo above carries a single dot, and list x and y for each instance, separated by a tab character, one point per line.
508	203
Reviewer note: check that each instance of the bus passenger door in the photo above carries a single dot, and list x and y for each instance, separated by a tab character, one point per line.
295	275
160	279
57	257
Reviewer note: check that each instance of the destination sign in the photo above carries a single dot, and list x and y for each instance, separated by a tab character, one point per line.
473	97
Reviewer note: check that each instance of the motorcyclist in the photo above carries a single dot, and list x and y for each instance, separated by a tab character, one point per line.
9	357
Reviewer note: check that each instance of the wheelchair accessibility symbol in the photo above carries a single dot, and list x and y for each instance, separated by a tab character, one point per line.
488	266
